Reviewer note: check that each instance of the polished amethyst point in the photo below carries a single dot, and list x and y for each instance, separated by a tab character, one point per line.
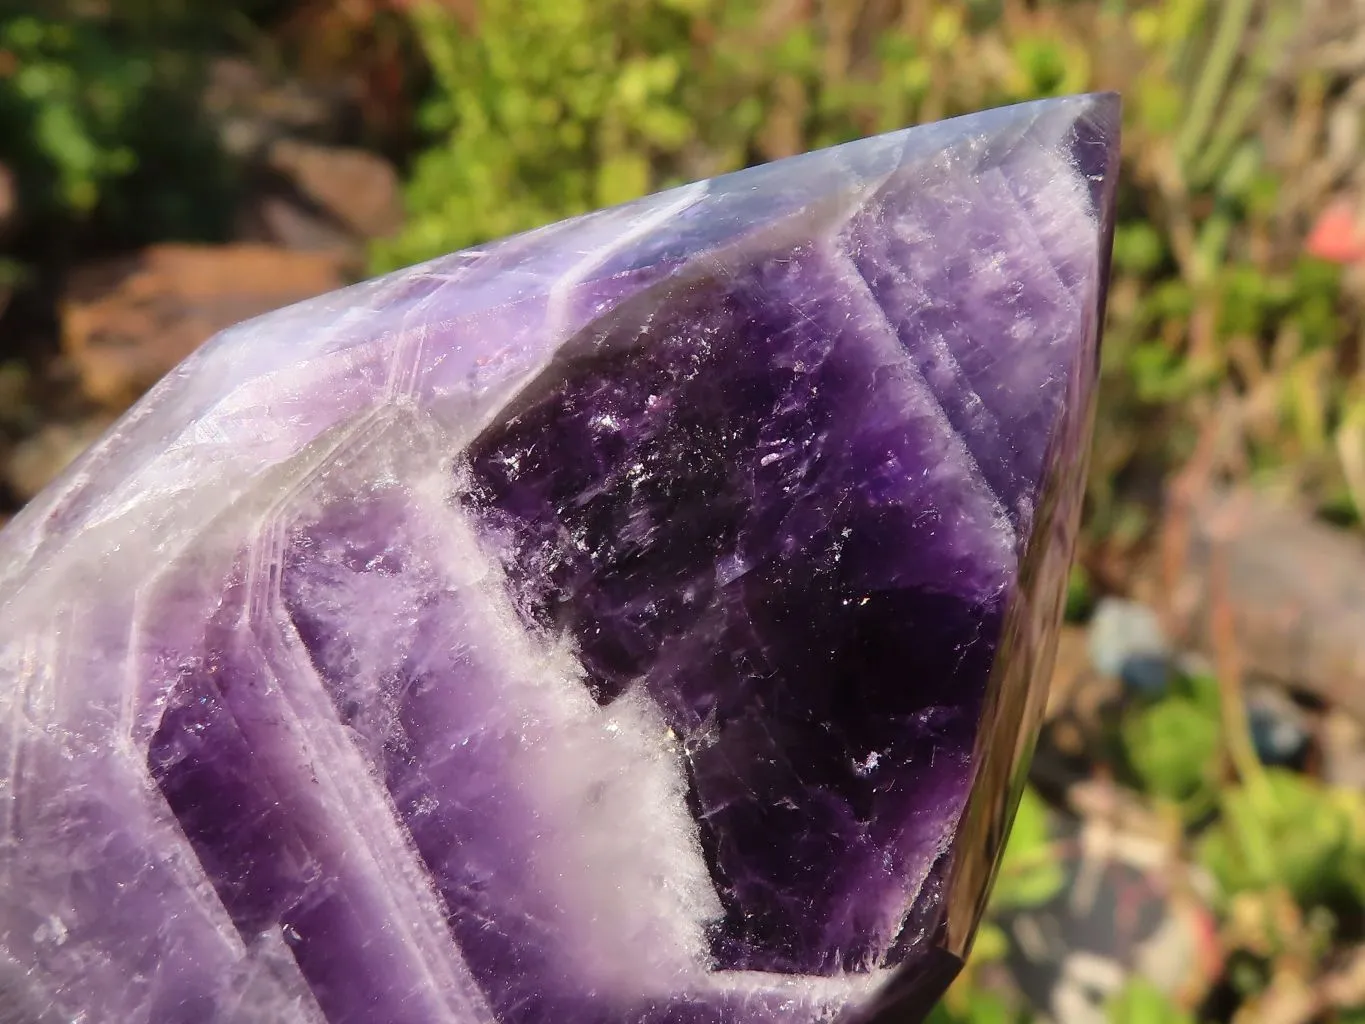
637	621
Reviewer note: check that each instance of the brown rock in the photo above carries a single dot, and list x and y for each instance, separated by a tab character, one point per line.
1343	750
357	189
1284	590
9	216
9	200
126	322
251	108
283	221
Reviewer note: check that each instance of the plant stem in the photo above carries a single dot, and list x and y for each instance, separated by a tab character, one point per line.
1236	726
1213	79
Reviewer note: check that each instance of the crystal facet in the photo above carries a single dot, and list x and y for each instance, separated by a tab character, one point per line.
642	620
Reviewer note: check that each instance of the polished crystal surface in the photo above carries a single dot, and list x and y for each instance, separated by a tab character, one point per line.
637	621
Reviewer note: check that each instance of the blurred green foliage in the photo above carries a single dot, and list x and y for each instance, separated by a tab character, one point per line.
1141	1002
549	108
99	121
1174	745
1029	874
70	95
542	109
1289	831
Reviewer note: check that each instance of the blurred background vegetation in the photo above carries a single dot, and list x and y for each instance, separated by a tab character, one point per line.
146	144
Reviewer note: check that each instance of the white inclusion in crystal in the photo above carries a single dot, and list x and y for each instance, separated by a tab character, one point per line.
627	861
730	568
866	767
809	998
52	930
614	843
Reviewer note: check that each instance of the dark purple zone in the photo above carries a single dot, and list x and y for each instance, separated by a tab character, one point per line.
709	496
754	436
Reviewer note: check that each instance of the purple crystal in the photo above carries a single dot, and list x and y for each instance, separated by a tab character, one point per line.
642	620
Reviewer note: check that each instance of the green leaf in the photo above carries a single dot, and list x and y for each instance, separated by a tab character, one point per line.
975	1006
1173	746
990	945
622	177
1138	248
1295	832
1141	1002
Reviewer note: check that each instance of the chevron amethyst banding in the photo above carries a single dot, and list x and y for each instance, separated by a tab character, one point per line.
599	627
